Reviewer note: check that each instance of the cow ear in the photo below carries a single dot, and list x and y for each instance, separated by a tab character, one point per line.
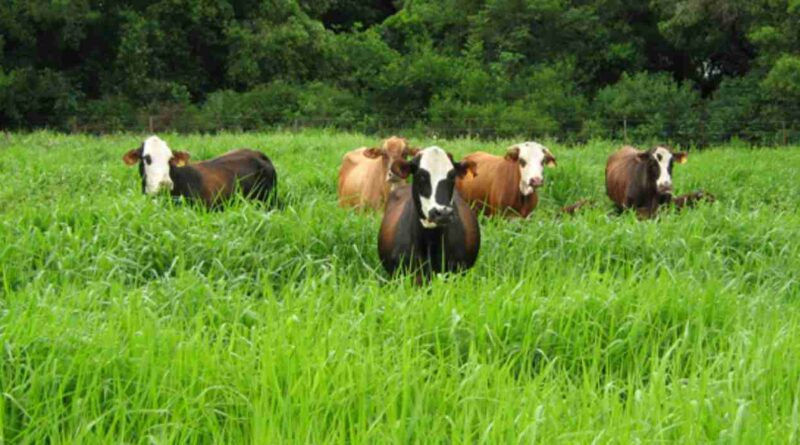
179	158
643	156
132	157
549	159
680	157
372	153
513	153
466	166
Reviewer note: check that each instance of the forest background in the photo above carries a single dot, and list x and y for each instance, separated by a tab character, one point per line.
691	72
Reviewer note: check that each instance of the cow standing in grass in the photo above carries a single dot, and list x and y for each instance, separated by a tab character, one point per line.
642	180
211	182
366	176
507	185
427	227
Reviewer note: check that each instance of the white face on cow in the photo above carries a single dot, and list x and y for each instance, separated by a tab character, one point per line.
532	159
155	162
433	185
664	158
436	197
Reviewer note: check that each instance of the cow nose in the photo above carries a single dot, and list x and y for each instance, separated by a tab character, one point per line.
440	214
167	184
665	187
537	182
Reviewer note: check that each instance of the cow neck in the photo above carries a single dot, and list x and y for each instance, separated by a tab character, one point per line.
184	179
643	186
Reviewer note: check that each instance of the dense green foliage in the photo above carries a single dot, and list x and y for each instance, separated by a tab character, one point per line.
125	319
687	71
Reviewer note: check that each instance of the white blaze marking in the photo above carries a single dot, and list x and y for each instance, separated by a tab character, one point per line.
157	171
533	154
435	161
664	178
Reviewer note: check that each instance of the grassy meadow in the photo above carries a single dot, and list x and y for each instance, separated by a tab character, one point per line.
128	319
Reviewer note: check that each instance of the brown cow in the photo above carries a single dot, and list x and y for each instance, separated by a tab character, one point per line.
211	182
642	180
507	185
366	177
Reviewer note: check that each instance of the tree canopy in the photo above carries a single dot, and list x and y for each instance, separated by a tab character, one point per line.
688	71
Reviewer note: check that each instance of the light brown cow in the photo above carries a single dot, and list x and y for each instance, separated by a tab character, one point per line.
366	178
507	184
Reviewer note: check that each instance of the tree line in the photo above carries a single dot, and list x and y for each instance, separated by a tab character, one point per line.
685	71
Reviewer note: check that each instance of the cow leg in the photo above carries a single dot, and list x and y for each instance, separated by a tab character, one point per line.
643	213
646	212
573	209
690	199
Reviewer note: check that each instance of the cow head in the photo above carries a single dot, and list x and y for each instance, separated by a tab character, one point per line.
391	150
432	186
658	166
155	161
532	157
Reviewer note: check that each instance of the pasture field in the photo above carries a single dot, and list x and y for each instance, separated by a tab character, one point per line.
126	319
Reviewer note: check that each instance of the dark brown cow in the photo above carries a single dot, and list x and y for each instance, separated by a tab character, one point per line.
366	178
427	228
507	184
211	182
642	180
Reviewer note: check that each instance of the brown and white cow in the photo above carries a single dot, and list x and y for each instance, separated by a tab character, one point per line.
427	228
642	180
366	177
507	184
210	182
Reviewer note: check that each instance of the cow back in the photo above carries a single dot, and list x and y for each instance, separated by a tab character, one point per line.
248	171
496	187
619	170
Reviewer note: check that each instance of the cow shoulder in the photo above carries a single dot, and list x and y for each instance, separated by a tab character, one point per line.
397	227
470	227
505	188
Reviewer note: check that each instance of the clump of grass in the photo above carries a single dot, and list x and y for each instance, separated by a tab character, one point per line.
130	319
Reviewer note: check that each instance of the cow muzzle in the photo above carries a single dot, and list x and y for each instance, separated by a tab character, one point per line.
440	216
536	182
153	189
665	189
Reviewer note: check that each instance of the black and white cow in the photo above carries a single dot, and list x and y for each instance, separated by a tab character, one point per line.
211	182
427	227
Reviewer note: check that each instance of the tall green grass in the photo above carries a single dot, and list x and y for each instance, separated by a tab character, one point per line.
127	319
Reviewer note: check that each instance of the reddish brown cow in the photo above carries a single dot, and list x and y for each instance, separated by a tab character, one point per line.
366	177
642	180
507	185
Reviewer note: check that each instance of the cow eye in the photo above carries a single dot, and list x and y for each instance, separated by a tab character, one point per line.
147	159
658	156
522	163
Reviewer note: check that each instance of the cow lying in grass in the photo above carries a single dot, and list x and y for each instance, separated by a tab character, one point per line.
211	182
642	180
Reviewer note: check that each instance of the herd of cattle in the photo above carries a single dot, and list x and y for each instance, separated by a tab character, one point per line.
429	225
